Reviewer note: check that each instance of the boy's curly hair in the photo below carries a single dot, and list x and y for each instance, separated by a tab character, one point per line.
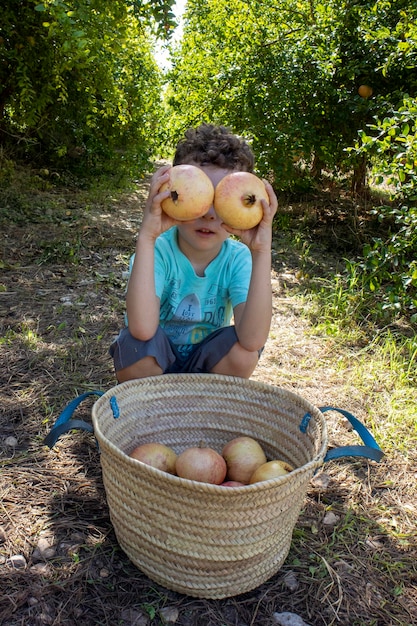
214	145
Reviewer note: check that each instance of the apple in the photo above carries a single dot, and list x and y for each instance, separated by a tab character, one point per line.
365	91
204	465
271	469
237	200
157	455
191	193
242	455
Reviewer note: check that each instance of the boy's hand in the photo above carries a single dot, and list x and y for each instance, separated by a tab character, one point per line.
155	221
259	238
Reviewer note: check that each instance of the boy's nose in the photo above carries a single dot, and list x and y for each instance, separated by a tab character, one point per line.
211	214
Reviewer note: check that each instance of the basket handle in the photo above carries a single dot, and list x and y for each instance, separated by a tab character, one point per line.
64	422
369	450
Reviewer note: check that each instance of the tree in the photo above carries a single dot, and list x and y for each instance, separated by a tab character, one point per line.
78	77
287	73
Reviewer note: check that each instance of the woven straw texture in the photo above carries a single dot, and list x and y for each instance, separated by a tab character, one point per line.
198	539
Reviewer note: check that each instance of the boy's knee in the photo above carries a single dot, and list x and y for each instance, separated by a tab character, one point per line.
238	362
246	362
147	366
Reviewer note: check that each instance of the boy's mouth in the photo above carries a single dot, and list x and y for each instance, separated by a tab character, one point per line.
205	231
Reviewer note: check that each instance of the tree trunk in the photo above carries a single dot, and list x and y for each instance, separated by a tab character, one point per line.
316	167
358	185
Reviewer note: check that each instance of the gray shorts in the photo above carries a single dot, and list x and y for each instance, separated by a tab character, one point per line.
127	350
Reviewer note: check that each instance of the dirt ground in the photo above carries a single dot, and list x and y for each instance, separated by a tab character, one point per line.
353	554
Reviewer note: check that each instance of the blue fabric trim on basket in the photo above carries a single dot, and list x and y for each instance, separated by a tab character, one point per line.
305	422
370	450
114	407
64	423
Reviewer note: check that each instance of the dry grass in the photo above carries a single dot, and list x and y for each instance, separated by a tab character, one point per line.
61	302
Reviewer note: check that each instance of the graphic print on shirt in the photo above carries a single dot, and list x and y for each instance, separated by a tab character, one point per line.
190	324
181	326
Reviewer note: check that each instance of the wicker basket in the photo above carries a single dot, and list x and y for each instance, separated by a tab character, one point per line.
205	540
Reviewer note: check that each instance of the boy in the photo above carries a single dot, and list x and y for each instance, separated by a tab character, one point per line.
188	279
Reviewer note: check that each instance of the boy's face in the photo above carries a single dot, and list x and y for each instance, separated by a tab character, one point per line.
204	233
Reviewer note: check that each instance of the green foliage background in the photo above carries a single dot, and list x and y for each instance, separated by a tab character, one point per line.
78	80
287	74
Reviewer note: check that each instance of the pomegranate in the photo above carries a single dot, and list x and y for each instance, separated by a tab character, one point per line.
365	91
242	455
204	465
237	200
232	483
271	469
157	455
192	193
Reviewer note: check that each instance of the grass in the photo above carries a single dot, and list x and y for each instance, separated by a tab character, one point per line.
357	572
384	368
376	356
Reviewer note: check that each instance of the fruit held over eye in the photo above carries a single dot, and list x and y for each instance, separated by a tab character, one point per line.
243	455
191	193
157	455
237	200
204	465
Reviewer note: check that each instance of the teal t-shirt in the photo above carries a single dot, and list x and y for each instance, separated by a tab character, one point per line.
191	306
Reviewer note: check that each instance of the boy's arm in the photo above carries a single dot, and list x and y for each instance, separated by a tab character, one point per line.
253	318
142	303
